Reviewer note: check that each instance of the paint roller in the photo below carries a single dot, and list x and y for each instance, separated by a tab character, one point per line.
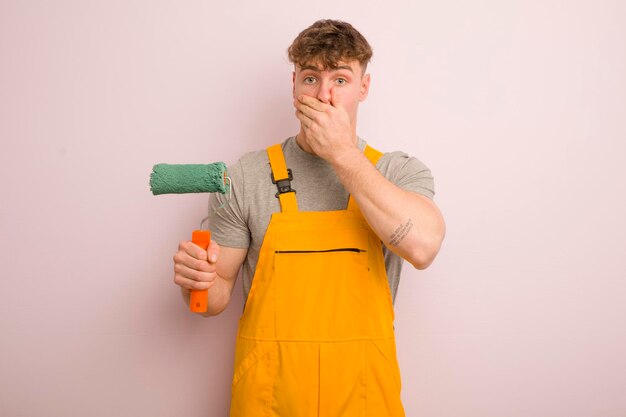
192	178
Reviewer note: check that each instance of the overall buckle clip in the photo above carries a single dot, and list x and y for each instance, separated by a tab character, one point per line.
284	185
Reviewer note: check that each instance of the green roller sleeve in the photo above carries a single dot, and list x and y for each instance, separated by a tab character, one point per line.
188	178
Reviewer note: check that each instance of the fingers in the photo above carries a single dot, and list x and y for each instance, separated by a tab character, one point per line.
303	113
312	103
213	252
310	111
192	268
304	120
191	249
192	279
310	107
183	257
305	102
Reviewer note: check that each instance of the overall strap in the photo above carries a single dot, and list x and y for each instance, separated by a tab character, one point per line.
373	155
281	176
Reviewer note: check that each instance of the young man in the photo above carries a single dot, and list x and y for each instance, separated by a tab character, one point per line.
316	336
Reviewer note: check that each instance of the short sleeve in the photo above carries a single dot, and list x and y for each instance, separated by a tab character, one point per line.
407	172
226	219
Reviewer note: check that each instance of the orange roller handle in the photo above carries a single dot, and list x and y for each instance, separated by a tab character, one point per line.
199	299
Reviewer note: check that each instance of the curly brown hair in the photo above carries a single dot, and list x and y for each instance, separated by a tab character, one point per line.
327	42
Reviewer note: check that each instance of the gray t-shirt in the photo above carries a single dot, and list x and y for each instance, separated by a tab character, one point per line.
241	222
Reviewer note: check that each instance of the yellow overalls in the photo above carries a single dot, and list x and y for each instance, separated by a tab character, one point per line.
316	337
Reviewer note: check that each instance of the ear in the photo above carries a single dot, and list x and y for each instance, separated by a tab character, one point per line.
365	87
293	84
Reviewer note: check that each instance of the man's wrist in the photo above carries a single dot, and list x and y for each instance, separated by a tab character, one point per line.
346	158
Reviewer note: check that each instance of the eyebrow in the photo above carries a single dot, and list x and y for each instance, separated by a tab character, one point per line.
316	69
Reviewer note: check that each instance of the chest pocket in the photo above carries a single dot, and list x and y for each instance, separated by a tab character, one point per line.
321	282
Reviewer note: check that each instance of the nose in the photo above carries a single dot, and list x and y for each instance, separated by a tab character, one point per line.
323	91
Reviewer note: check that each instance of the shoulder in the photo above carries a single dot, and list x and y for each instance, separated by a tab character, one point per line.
250	175
407	172
251	162
397	161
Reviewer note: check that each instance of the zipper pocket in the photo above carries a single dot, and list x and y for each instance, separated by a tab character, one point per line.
322	251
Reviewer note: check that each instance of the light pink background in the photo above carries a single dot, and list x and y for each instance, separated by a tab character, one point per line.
518	107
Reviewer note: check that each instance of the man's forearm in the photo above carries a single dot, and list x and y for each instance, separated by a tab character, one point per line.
409	224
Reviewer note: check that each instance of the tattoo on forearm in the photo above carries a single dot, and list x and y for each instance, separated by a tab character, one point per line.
400	233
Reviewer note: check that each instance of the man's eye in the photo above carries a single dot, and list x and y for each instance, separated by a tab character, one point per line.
341	81
309	80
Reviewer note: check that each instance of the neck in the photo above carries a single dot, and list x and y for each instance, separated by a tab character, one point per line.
302	143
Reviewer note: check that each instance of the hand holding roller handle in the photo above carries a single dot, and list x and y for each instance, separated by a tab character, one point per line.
192	178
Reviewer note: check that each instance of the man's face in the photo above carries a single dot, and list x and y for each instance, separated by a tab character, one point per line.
347	80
